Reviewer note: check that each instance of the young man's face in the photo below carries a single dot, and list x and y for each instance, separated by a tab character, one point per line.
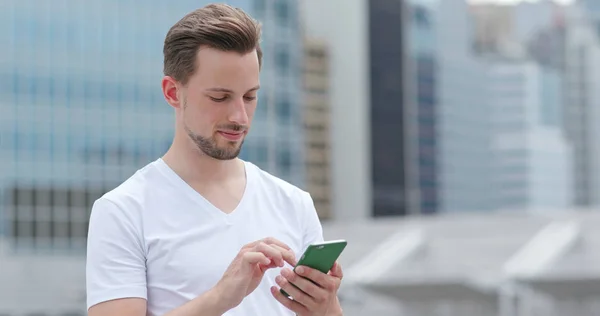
217	105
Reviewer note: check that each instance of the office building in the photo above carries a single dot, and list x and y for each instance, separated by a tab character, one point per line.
82	110
492	26
581	116
388	119
591	9
533	29
317	120
462	114
447	117
426	122
532	157
343	26
422	105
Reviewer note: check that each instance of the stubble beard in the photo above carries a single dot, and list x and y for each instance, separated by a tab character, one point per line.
209	146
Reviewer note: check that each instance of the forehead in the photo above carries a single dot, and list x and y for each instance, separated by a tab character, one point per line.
231	70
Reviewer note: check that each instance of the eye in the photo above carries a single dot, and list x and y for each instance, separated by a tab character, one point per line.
250	98
219	99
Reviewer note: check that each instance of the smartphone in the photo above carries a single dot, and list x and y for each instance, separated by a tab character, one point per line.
321	256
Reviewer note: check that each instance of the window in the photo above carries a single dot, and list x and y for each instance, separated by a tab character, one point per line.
262	156
262	105
43	216
259	7
421	16
284	159
246	152
282	11
284	109
316	53
282	60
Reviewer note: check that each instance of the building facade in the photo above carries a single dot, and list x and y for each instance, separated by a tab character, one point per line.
422	79
532	157
464	116
82	110
317	120
82	107
533	29
581	117
447	88
343	26
388	125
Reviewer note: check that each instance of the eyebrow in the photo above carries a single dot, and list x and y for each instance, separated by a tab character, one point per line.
228	90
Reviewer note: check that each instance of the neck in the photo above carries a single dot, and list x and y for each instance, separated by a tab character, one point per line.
193	166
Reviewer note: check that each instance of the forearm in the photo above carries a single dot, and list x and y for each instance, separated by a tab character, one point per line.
207	304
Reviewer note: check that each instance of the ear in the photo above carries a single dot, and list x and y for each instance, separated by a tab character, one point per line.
171	91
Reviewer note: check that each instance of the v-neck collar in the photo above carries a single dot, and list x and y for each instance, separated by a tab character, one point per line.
200	199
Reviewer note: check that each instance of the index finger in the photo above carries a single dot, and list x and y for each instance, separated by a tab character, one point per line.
288	255
273	241
269	241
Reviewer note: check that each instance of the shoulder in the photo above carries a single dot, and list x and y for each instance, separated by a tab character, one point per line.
127	200
278	187
292	198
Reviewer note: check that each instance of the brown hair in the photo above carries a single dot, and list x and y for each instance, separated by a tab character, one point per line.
218	26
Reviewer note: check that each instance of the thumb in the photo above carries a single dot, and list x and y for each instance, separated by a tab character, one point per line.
336	270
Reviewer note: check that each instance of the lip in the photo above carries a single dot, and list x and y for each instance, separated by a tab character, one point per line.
232	136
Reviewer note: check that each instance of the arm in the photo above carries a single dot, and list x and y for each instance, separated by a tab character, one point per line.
207	304
116	267
115	263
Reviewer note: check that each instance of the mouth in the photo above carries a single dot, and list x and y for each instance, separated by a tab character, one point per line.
232	136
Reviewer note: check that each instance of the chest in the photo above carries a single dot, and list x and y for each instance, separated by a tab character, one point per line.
225	198
188	252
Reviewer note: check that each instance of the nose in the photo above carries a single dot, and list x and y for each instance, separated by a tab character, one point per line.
238	113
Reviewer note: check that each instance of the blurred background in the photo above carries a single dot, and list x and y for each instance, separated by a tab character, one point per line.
452	143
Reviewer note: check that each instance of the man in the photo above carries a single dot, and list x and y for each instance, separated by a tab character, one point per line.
199	231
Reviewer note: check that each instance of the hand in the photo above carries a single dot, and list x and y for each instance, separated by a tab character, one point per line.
310	299
248	268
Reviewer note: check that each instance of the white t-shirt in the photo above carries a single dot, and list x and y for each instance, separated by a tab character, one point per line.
154	237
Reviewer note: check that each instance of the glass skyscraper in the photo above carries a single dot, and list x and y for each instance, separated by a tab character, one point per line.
81	107
421	45
387	112
449	135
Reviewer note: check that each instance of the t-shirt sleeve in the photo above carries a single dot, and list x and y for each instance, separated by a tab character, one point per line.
115	266
313	231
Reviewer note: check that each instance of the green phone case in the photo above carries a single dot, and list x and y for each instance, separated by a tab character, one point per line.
321	256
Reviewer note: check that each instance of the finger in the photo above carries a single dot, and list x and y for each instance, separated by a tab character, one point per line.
253	258
336	270
314	291
323	280
293	291
292	305
288	255
273	241
270	251
264	268
268	241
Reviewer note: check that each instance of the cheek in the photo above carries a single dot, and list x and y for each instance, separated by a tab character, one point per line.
198	121
250	110
199	113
